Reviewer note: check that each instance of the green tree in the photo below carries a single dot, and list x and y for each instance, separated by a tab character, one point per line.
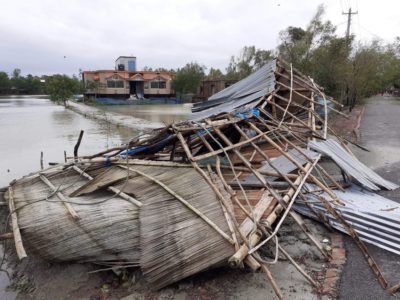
61	87
31	84
17	80
318	52
215	74
5	83
188	78
16	73
249	60
297	45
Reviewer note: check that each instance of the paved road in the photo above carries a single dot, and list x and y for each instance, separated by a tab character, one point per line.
380	133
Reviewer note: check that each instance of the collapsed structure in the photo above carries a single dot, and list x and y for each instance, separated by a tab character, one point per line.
209	190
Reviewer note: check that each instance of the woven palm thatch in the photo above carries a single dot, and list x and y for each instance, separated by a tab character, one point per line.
104	232
175	242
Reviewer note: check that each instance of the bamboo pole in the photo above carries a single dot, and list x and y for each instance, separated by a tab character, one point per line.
292	193
306	157
237	260
296	163
290	96
111	188
371	262
294	117
187	204
241	157
255	172
297	266
290	197
78	143
271	279
249	218
6	236
254	265
249	260
313	101
300	106
19	246
227	148
295	216
227	217
300	150
211	184
394	289
41	160
64	199
299	220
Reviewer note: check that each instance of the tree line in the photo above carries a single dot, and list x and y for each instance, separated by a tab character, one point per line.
348	70
18	84
59	87
34	85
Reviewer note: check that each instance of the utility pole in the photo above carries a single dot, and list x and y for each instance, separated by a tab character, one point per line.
349	101
349	22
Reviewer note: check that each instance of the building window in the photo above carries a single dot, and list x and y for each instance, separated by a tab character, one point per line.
115	84
158	83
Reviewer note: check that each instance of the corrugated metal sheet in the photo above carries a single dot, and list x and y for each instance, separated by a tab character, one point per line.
285	165
281	163
251	88
351	165
375	218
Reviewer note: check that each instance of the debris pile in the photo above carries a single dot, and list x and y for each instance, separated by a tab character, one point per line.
206	191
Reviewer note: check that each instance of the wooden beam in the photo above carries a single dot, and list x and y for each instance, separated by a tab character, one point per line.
19	246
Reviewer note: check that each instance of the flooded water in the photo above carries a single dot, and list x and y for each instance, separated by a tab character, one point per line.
160	113
29	125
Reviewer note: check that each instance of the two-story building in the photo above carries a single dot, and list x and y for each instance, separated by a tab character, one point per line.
126	82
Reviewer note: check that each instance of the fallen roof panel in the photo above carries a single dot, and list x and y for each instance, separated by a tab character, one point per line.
351	165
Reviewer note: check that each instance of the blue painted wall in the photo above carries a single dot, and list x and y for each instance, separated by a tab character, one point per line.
131	65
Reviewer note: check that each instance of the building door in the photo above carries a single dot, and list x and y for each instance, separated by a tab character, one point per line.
132	87
136	88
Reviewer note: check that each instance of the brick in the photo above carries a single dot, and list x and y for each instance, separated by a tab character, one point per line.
327	290
339	261
331	273
336	240
338	253
331	281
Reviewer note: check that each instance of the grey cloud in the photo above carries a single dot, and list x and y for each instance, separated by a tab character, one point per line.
36	35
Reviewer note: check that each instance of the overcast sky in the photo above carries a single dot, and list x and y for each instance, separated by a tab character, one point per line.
63	36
